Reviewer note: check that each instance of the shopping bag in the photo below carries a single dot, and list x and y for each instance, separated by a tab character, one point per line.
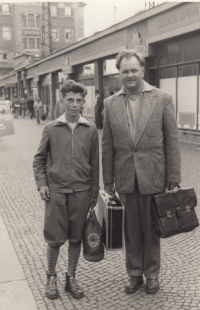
93	248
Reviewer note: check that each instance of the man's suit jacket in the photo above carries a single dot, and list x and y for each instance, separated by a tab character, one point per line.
154	156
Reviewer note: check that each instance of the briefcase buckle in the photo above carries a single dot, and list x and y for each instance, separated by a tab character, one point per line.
169	215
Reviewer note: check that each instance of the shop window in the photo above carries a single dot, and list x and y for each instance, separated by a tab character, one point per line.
68	35
187	96
6	33
5	9
53	10
68	11
167	81
55	34
110	67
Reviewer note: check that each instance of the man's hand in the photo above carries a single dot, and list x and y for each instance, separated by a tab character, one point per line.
93	202
110	189
44	193
171	186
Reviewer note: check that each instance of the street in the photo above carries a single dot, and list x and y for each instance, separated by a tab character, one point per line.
103	283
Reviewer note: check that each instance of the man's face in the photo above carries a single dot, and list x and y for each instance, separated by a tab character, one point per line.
131	73
73	103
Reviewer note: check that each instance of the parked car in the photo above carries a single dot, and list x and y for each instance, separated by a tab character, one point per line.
6	123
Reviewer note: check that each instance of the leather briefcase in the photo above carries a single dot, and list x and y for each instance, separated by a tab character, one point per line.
110	215
174	212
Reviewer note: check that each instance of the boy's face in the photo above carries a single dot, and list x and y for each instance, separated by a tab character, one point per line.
73	103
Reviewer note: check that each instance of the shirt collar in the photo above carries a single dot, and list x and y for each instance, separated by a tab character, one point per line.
81	120
146	87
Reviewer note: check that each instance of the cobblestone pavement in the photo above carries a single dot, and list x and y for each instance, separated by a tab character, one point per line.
103	282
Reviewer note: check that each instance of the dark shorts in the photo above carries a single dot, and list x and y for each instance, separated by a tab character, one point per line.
65	217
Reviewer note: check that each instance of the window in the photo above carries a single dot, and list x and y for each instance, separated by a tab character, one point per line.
24	21
3	55
25	46
68	11
5	8
31	43
6	33
55	36
30	18
53	10
68	35
38	43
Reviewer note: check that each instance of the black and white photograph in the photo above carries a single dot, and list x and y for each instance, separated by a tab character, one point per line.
99	155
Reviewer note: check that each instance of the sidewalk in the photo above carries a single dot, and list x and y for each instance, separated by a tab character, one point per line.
14	290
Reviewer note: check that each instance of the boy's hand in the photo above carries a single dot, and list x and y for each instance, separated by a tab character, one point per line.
44	193
93	202
110	189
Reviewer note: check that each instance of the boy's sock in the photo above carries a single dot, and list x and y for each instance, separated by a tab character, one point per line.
73	256
52	257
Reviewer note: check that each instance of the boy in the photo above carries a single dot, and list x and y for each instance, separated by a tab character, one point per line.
66	169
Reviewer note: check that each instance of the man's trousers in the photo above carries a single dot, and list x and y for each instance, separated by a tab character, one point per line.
141	239
65	217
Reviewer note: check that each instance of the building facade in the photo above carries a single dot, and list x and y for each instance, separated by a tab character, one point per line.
21	29
167	35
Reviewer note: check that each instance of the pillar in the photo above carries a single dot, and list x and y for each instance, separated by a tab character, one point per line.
98	75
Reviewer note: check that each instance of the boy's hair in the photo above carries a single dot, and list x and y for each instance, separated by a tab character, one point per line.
128	54
72	86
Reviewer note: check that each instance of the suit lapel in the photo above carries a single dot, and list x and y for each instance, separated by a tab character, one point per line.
148	105
120	112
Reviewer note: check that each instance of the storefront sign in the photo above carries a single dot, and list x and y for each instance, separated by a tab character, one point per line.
181	16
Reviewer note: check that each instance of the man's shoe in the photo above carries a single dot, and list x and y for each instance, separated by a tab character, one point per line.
152	286
72	286
51	287
133	284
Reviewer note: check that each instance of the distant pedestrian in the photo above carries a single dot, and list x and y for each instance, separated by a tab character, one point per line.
23	107
98	107
68	180
8	103
59	108
38	107
30	108
16	106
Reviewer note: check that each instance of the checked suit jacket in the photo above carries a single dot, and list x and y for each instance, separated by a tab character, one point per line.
154	155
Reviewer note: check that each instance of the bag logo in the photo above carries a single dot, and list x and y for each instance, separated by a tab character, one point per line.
93	240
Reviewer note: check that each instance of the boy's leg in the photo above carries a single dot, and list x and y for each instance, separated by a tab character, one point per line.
55	233
78	207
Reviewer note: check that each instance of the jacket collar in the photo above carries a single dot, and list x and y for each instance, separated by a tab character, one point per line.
62	120
146	87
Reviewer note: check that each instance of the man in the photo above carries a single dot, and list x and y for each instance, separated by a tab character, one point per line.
69	185
141	155
98	107
59	109
16	106
23	107
30	108
38	108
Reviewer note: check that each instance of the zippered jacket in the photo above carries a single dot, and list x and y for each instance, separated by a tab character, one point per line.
68	160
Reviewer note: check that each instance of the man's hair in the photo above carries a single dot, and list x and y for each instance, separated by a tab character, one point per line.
72	86
128	54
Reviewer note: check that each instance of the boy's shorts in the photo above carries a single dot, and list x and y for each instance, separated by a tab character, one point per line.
65	217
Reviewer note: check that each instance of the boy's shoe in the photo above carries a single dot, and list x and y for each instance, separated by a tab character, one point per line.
72	286
133	284
152	286
51	287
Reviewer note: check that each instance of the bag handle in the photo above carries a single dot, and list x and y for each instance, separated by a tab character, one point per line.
175	190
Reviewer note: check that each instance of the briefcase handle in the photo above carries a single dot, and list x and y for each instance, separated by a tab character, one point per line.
175	190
